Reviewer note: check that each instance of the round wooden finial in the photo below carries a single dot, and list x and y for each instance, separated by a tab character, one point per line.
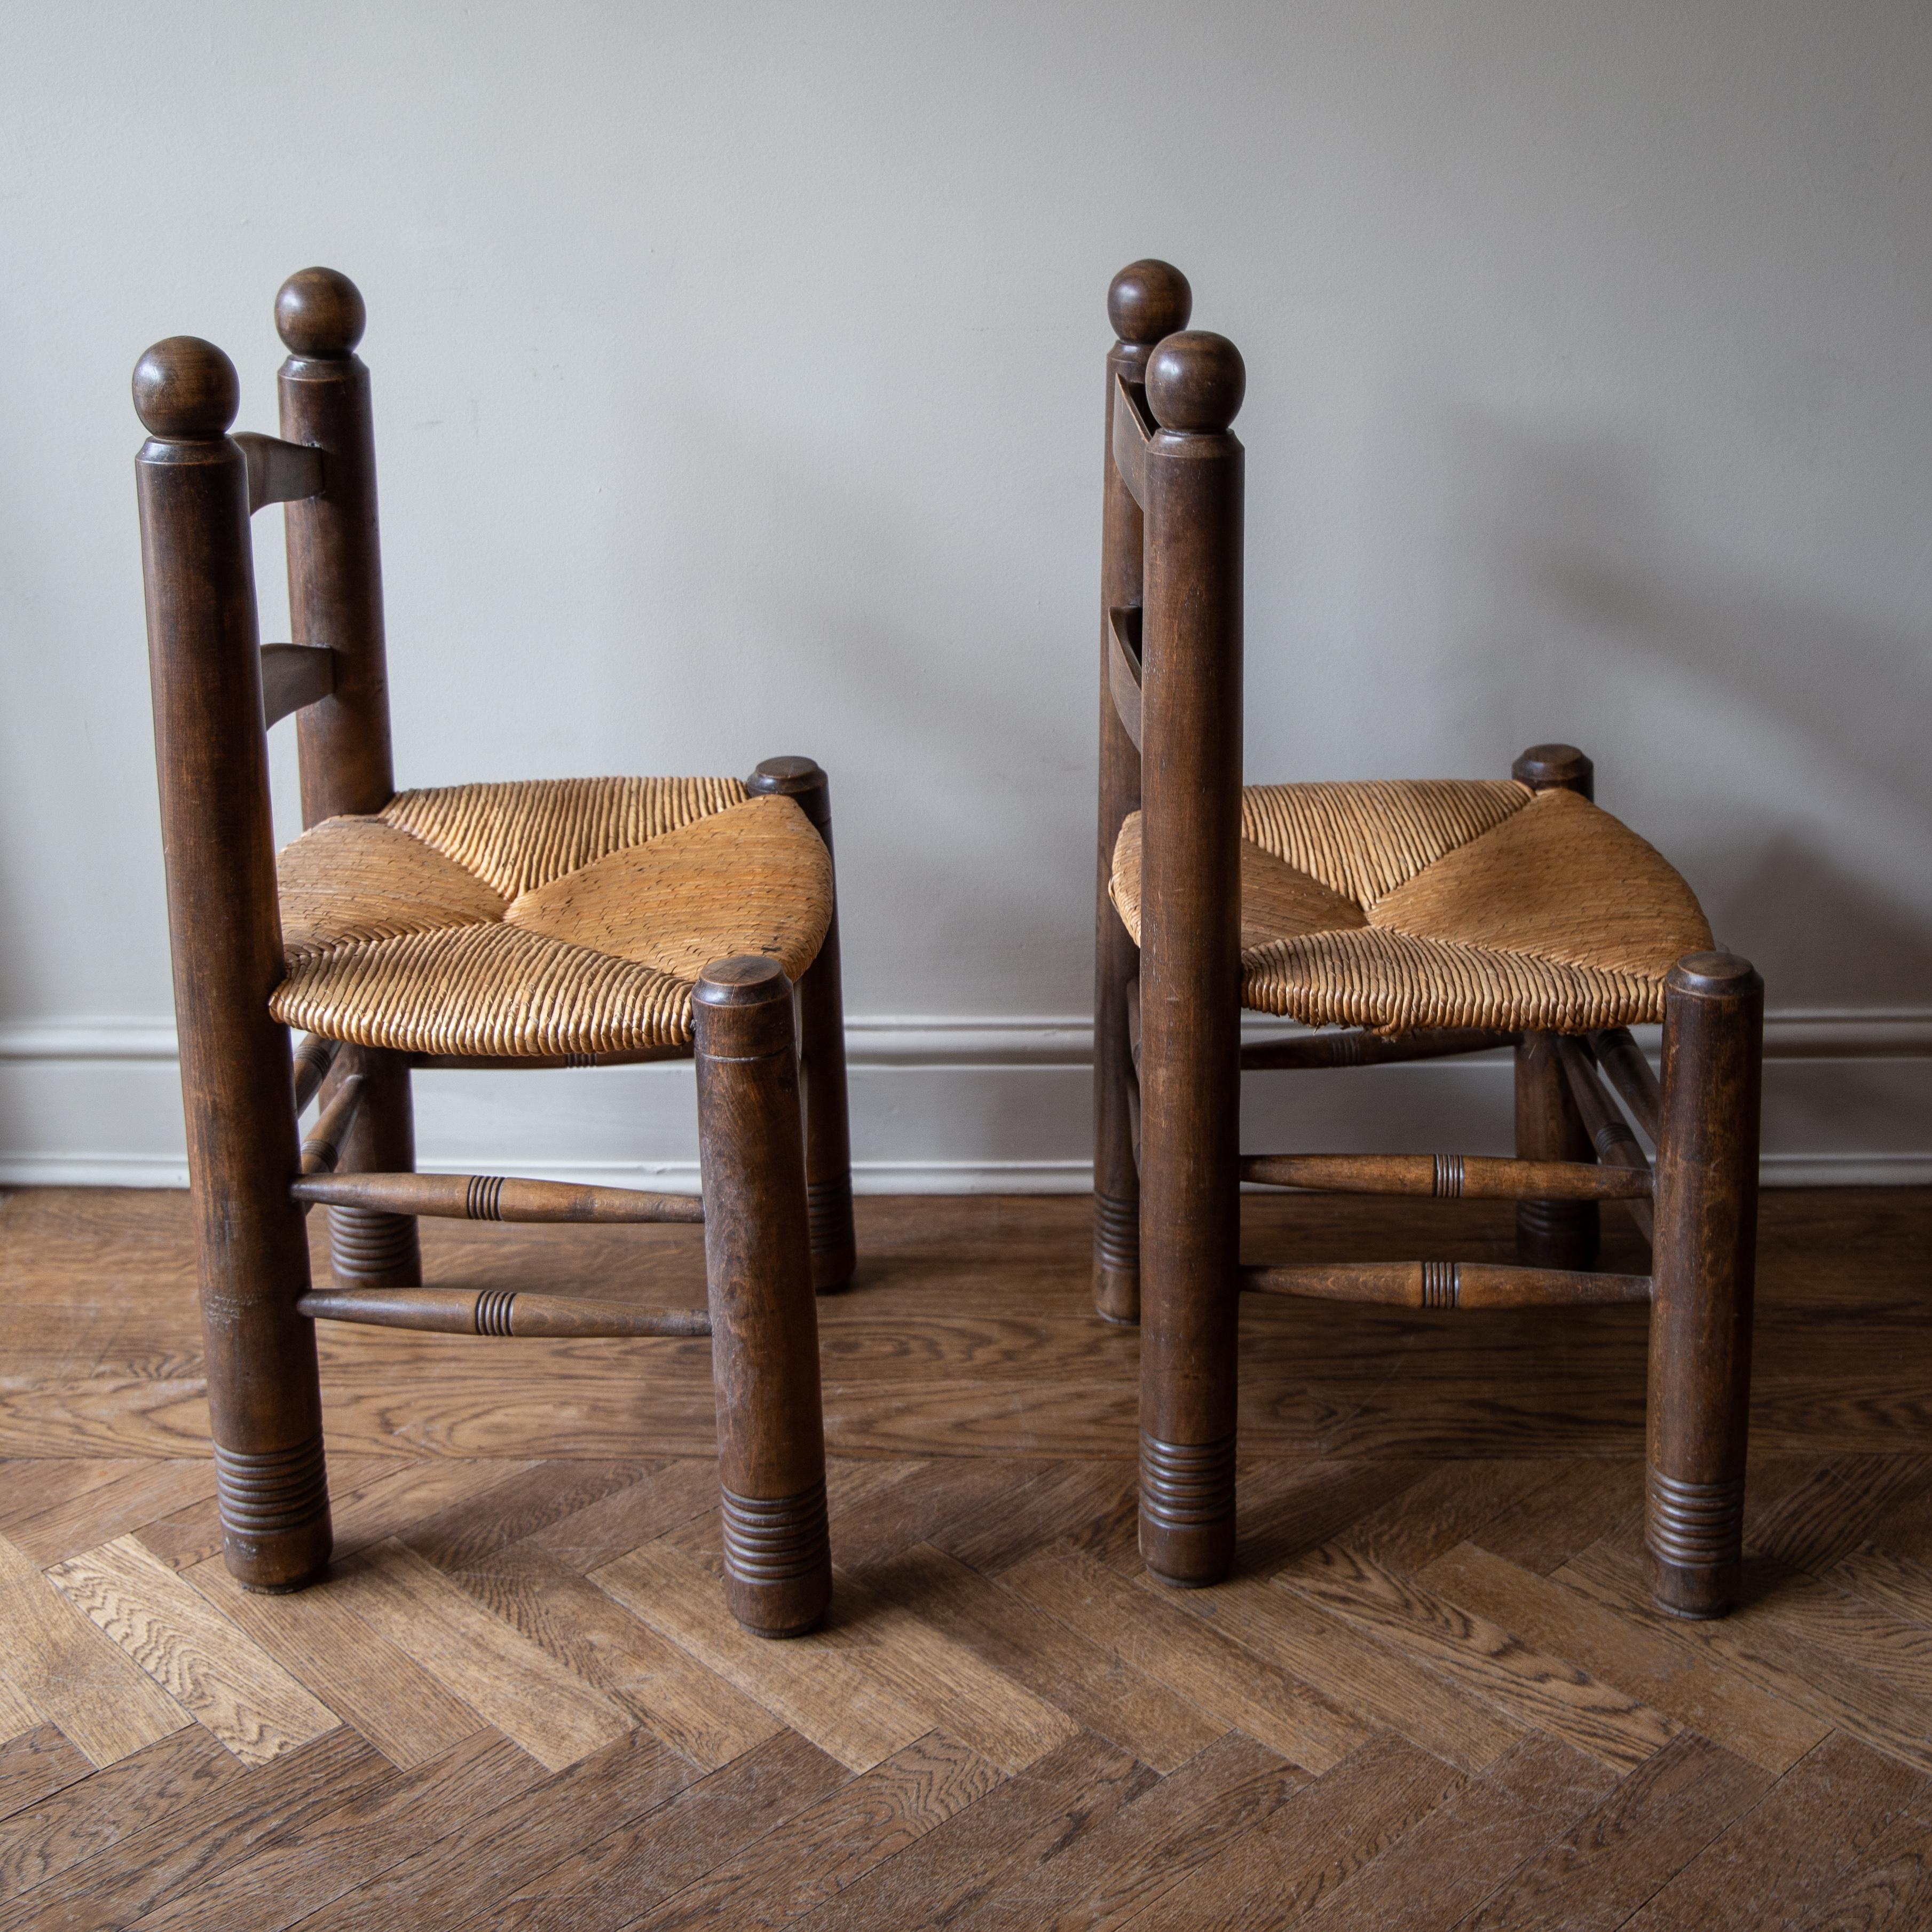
1556	768
751	980
1195	381
1714	974
1148	300
320	312
186	390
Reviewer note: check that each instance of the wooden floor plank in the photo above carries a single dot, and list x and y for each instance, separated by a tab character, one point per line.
329	1850
1693	1688
149	1490
507	1680
1372	1681
1106	1876
1828	1686
1091	1682
35	1763
19	1714
72	1673
461	1878
815	1854
1191	1657
993	1846
82	1816
588	1632
814	1683
1291	1861
364	1678
946	1682
1450	1859
1645	1832
1818	1825
611	1883
191	1846
1549	1525
669	1491
202	1659
1555	1697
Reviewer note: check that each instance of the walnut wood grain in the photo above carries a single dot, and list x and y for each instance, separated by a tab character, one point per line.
485	1197
495	1311
1446	1176
1447	1284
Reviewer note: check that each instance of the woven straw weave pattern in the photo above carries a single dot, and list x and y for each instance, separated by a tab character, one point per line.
1363	840
513	837
555	918
1446	903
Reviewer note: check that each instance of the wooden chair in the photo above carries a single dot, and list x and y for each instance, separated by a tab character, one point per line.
554	924
1427	919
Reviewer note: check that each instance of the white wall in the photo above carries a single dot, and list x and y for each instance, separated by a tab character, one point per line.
738	373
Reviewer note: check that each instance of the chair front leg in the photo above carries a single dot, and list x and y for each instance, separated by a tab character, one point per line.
1703	1272
764	1325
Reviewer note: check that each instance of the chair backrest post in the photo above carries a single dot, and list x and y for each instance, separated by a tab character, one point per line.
1190	928
335	561
217	836
1148	300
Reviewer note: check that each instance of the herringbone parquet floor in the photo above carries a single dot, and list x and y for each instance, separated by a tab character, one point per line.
1434	1695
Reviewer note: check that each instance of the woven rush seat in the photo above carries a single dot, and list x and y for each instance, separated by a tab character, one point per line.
566	916
1395	905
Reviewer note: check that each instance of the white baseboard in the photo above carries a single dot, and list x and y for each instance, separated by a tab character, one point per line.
948	1104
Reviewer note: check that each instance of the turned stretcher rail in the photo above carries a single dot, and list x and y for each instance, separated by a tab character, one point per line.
313	1057
1357	1047
498	1311
1629	1073
490	1197
1610	1134
323	1147
1447	1284
1446	1176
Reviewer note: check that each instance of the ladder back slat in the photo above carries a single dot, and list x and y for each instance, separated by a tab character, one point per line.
279	471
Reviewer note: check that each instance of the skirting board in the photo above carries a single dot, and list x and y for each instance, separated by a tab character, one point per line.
948	1104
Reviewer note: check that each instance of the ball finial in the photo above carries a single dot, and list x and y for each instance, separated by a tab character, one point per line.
319	312
1148	300
1195	381
186	390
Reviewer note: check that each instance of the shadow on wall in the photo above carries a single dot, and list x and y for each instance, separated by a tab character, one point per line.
1586	551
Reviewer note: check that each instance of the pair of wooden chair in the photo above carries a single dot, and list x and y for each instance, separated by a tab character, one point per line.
597	921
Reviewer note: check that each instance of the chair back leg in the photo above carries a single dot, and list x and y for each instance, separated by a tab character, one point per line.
343	741
764	1324
1703	1275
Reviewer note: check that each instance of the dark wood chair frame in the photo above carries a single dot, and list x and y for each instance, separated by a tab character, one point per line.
775	1171
1168	1168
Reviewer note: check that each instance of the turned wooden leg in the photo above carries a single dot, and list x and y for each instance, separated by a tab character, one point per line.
264	1397
366	1248
1190	980
1551	1234
821	1025
764	1328
1703	1271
